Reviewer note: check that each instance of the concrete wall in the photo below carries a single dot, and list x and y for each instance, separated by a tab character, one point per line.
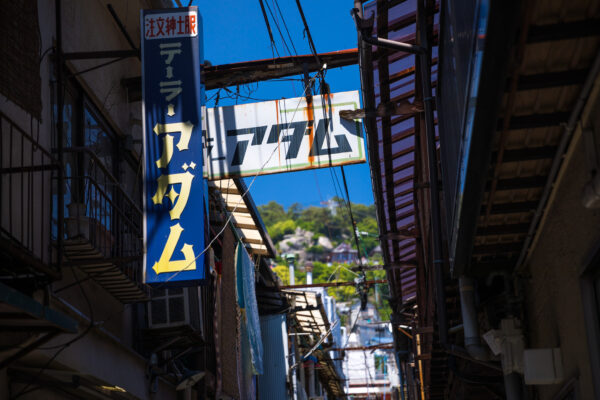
553	298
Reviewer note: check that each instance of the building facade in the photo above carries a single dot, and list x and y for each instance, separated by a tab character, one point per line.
78	320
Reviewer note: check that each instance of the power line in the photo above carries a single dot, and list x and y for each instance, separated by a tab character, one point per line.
308	35
276	2
278	29
226	224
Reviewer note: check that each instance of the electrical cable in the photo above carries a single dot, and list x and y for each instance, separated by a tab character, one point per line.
276	2
226	224
354	227
278	29
264	13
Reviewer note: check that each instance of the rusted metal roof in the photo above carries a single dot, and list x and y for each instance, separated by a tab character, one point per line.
400	161
394	77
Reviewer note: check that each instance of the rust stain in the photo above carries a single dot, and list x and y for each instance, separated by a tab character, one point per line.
310	115
278	141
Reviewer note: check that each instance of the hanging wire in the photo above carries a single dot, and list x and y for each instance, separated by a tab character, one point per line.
226	224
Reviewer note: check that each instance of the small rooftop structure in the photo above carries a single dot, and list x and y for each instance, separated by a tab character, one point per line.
344	253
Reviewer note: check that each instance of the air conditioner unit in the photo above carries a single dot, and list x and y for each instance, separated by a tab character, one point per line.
169	307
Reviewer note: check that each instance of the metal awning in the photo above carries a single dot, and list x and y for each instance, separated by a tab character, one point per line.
311	318
246	218
308	311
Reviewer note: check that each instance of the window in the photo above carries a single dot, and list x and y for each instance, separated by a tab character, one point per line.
169	307
96	168
381	366
102	183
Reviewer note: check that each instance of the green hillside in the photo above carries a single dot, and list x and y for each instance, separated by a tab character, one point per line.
337	227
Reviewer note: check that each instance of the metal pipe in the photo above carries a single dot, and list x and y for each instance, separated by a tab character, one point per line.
513	388
562	148
434	194
394	45
456	329
309	280
469	315
59	137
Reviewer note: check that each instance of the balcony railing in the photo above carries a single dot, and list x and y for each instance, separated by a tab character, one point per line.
103	225
27	171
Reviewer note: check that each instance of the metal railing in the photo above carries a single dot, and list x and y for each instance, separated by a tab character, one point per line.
27	171
98	209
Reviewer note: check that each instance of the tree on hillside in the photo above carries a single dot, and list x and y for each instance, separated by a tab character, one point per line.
271	213
294	211
281	228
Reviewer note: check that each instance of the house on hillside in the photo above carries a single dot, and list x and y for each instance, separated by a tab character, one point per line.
344	253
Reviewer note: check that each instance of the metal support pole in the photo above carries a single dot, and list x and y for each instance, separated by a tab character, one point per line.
434	191
59	137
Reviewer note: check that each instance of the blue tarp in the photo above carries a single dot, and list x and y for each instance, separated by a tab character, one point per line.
246	297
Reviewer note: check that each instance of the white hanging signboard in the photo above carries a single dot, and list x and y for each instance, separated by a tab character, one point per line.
282	136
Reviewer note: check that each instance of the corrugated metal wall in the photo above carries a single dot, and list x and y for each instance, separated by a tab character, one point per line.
271	384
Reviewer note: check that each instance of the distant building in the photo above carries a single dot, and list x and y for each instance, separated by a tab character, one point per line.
370	374
344	253
332	205
376	251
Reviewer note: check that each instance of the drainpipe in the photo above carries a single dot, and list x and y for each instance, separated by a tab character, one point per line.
469	315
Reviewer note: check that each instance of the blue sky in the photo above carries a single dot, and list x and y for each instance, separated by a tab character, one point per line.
235	31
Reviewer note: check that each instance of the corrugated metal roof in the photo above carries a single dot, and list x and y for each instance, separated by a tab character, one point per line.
394	77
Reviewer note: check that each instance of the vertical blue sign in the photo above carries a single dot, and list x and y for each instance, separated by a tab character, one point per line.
172	96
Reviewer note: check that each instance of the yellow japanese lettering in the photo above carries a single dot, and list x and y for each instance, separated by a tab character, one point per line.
165	264
186	133
185	179
164	159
